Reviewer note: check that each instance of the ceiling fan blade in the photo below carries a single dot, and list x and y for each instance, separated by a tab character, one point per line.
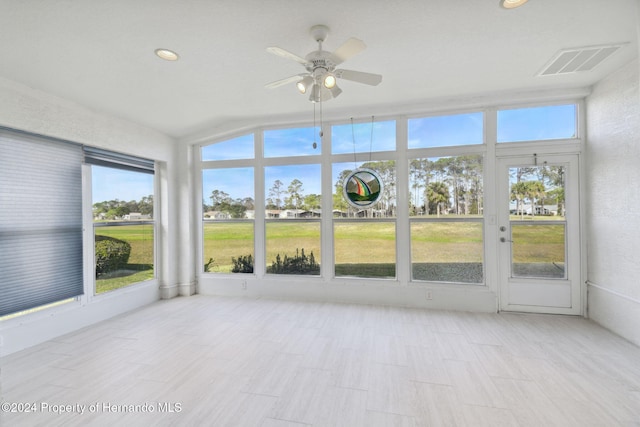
359	76
283	82
287	55
348	49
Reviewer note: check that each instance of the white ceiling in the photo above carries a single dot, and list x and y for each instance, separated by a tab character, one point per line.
99	53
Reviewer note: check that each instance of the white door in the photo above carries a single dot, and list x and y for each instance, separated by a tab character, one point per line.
539	234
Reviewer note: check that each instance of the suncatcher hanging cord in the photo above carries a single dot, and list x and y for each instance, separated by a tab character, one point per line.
353	137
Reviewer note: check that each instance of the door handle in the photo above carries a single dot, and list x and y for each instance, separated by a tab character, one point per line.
504	239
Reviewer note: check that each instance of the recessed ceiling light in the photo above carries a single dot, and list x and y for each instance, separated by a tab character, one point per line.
167	55
512	4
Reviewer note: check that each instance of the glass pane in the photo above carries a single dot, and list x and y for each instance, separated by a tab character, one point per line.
292	142
228	247
124	255
449	186
447	251
538	123
123	244
293	191
537	191
445	131
111	188
228	193
537	212
386	206
365	249
363	137
293	247
236	148
538	250
228	196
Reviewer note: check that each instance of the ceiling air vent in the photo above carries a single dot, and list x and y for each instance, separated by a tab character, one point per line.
578	59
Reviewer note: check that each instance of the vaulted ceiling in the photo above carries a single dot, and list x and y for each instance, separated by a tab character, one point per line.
100	54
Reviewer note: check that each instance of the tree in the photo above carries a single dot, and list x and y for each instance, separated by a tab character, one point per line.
338	199
312	201
438	194
275	193
518	193
419	176
218	198
248	203
145	205
295	193
534	190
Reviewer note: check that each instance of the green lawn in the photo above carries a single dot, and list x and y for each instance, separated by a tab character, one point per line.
140	266
365	249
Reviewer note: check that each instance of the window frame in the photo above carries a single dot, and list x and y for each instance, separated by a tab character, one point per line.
489	149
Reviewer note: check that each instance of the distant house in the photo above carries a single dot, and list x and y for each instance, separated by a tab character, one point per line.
292	213
216	215
136	216
272	213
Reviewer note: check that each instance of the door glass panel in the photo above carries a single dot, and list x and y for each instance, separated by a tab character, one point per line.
538	223
538	250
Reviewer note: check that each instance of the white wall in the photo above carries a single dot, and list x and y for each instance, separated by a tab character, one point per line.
613	202
30	110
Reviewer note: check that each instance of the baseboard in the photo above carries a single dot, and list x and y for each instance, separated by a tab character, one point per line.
452	297
186	289
168	291
616	312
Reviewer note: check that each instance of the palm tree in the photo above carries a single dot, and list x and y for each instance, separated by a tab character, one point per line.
438	193
518	193
534	190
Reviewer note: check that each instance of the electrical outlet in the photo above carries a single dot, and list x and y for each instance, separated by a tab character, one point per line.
244	284
429	295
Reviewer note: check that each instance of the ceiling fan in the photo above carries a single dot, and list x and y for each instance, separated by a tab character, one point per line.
320	79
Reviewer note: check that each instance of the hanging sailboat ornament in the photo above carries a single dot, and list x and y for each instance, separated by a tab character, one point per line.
363	187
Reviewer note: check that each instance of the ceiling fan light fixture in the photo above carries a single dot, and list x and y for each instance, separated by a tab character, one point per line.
304	84
335	91
315	93
167	54
512	4
329	80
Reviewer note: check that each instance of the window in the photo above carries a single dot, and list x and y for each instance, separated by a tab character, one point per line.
445	131
537	123
292	216
40	221
228	220
446	204
365	239
123	214
363	137
292	142
232	149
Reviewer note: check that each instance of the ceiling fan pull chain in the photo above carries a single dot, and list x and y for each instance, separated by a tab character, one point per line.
314	127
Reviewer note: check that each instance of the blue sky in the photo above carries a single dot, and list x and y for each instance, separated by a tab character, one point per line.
523	124
112	184
444	131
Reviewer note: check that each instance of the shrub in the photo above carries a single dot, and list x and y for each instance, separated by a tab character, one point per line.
299	264
111	254
243	264
208	265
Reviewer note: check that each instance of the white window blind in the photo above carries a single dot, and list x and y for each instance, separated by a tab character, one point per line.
40	221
